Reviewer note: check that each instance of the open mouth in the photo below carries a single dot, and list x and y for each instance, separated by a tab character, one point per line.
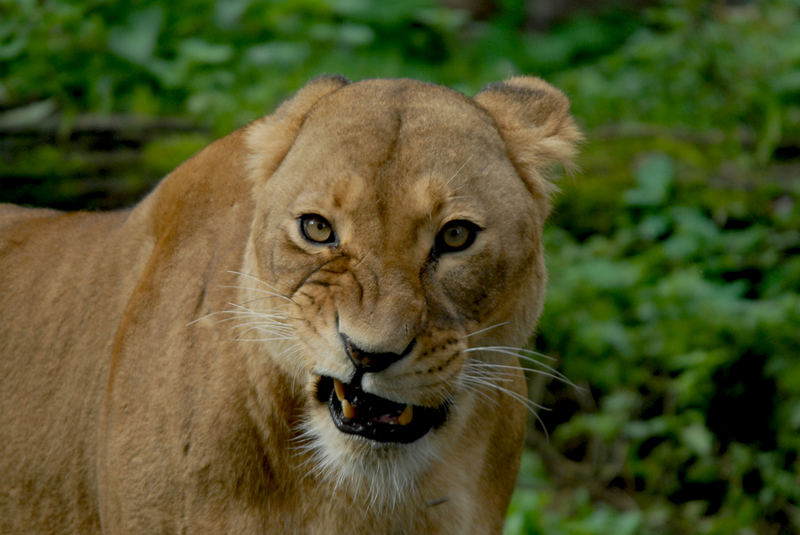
356	412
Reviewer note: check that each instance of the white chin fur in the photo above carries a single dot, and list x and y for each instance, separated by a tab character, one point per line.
379	475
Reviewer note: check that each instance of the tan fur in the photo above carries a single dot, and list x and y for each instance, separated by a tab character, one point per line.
159	364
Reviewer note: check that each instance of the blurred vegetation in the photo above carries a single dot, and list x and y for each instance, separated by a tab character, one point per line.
675	290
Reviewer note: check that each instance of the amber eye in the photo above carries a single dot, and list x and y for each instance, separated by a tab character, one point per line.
456	236
316	229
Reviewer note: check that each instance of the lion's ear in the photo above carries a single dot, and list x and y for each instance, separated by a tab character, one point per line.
269	139
534	121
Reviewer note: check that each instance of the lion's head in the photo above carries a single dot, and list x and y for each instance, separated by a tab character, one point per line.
396	257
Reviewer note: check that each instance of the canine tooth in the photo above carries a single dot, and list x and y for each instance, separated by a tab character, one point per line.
348	410
406	416
338	386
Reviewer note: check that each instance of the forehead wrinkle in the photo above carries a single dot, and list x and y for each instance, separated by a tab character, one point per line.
405	218
428	195
349	191
431	199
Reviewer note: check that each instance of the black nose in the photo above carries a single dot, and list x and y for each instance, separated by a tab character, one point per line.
372	362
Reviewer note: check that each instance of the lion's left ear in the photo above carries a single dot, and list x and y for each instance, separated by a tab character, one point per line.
269	139
533	118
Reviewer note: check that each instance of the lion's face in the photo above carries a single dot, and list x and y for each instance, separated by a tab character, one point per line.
398	234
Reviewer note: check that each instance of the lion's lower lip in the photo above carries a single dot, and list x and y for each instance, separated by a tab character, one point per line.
374	417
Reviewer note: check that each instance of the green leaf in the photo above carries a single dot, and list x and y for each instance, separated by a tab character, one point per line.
278	53
27	115
136	41
698	439
654	176
228	12
200	51
14	38
356	34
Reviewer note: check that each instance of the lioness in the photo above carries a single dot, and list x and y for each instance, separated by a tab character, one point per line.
308	327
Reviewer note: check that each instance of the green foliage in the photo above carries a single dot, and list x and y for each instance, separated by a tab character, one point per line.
675	276
536	509
685	331
694	63
232	60
226	63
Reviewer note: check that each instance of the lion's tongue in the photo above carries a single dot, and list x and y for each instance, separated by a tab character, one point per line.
357	403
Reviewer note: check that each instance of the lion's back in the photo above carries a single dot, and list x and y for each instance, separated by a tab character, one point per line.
57	322
12	213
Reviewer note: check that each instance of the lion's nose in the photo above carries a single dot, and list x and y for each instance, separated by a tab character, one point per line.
366	361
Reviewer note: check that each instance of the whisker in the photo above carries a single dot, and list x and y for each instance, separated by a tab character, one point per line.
256	299
558	377
256	279
459	170
363	259
489	328
481	364
248	312
270	293
253	278
522	350
471	387
244	312
511	352
531	406
260	330
484	378
241	317
271	339
235	315
501	376
204	316
260	323
289	354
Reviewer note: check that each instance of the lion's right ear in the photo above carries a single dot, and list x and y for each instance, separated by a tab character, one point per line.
269	139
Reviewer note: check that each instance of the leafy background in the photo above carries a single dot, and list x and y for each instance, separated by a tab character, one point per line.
674	300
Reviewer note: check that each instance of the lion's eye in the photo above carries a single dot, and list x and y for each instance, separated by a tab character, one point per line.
316	229
456	236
